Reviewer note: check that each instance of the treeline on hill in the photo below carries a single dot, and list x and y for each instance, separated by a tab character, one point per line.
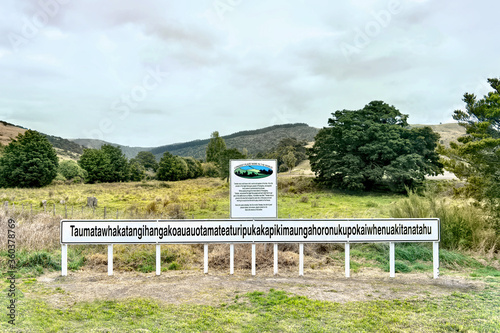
257	141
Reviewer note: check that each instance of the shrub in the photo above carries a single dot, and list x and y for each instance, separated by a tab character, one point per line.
463	226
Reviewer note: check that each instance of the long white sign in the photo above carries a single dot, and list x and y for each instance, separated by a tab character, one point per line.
248	231
253	189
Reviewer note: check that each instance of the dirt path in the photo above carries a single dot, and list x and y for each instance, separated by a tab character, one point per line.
194	287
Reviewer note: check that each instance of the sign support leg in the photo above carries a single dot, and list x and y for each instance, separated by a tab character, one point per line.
301	259
110	259
253	258
64	260
435	258
231	259
347	260
158	259
392	261
275	258
205	258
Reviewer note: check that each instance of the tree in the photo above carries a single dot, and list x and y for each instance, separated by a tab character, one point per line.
224	158
95	162
476	156
137	172
195	169
72	171
172	168
28	161
147	159
371	147
106	165
289	160
118	164
216	146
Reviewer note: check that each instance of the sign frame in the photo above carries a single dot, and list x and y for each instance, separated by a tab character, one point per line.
245	189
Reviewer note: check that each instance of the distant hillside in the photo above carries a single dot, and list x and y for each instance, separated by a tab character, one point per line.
130	152
9	131
65	148
255	141
448	132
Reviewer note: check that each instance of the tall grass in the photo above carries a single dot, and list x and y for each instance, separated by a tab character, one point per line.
463	225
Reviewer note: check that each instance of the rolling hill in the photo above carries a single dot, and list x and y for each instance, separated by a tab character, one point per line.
255	141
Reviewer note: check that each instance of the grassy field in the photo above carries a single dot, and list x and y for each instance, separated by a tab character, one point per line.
271	311
44	308
198	198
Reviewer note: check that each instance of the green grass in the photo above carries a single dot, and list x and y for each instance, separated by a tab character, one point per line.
272	311
202	198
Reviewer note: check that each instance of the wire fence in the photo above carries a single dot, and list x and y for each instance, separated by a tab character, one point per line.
66	211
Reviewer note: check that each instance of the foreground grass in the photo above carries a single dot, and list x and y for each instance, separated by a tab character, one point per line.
274	311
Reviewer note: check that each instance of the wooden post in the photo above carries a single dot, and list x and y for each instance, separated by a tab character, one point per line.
117	213
104	212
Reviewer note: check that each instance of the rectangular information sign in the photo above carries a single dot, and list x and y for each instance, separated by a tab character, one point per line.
248	231
253	189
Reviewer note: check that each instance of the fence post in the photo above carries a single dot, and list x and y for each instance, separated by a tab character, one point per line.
117	213
104	212
347	260
392	263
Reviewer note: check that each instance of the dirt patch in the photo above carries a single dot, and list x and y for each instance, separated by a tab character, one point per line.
194	287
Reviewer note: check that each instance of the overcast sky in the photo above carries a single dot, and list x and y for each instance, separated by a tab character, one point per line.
154	72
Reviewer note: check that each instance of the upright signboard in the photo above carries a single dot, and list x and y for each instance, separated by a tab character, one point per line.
253	189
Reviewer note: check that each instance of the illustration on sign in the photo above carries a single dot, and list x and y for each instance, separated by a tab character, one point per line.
253	171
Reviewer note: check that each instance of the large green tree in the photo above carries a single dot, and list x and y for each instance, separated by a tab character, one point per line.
28	161
172	168
476	156
215	147
147	159
224	158
71	170
107	164
374	146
